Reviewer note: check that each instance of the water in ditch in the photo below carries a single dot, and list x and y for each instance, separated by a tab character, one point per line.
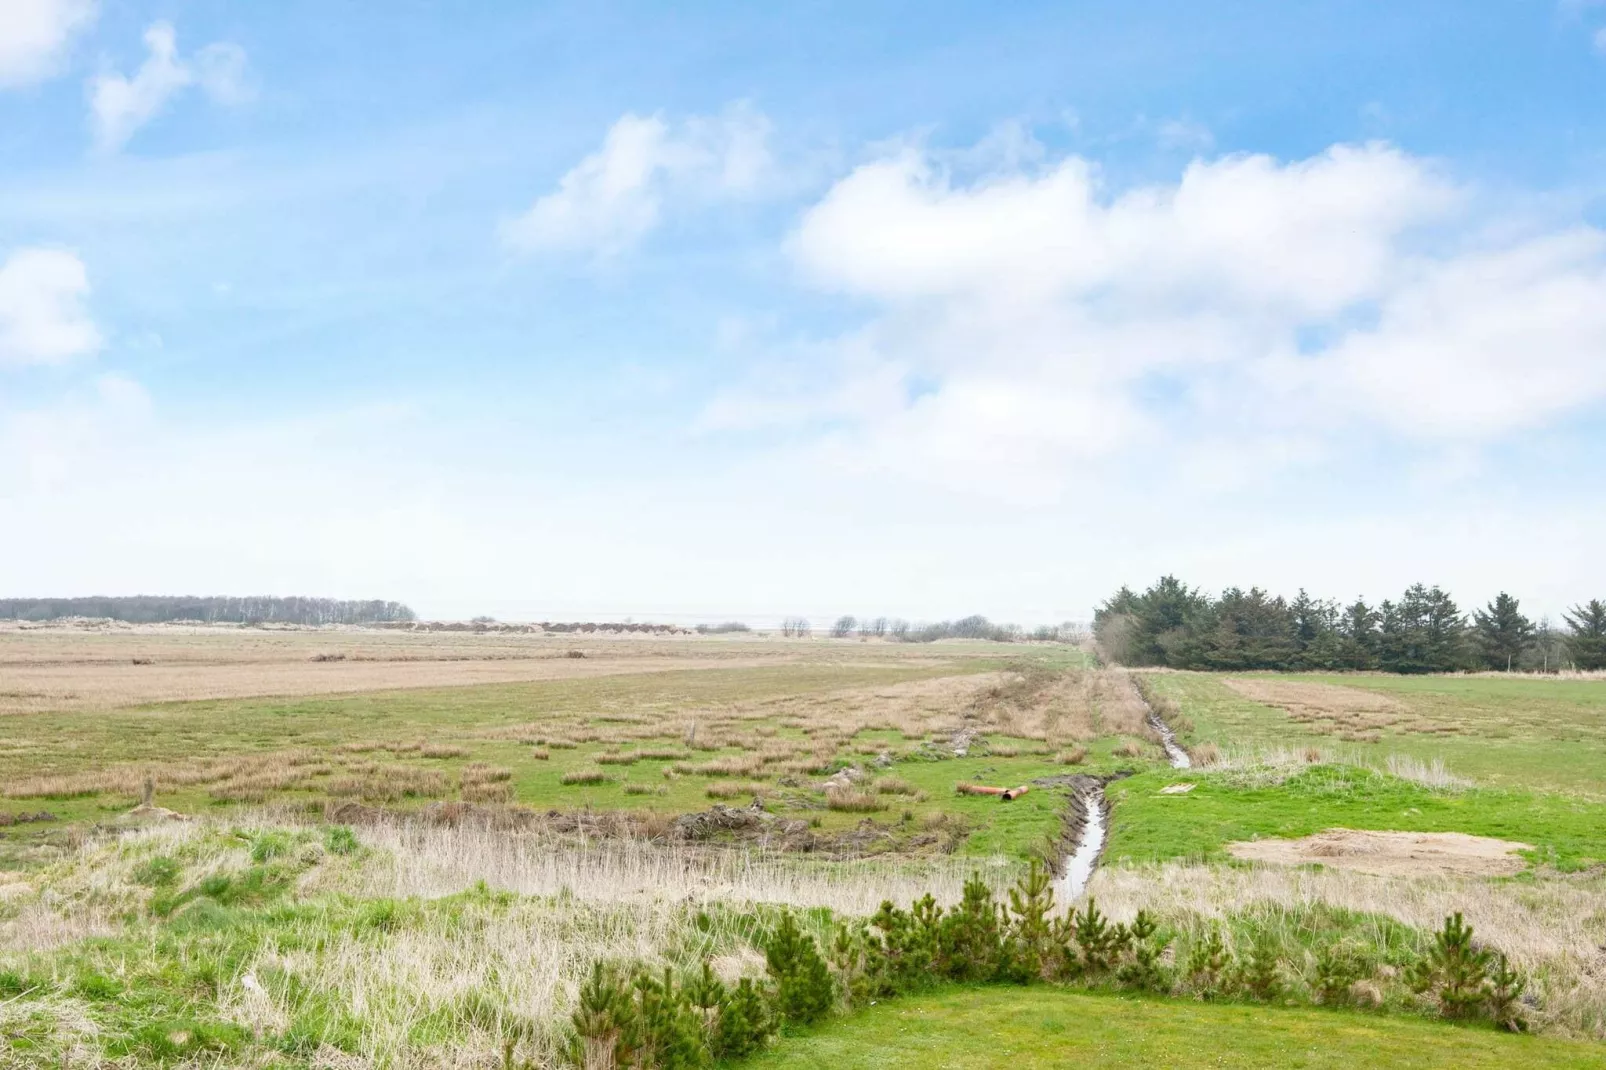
1079	867
1168	740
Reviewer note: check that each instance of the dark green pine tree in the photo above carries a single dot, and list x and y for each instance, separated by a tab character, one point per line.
1357	627
1587	643
1502	633
1424	632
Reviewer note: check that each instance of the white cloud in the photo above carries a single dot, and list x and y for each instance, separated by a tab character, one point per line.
1185	135
46	448
42	314
1600	40
615	196
1035	332
120	105
34	35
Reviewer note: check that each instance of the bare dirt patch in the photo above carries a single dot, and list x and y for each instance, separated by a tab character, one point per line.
1409	854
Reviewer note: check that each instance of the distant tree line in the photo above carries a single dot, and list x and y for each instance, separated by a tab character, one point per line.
973	627
723	628
217	609
1174	625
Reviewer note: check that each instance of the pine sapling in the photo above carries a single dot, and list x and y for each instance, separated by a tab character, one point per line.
1098	943
969	936
1455	971
745	1022
1504	1000
1337	968
1260	978
1142	970
1031	901
803	989
1209	965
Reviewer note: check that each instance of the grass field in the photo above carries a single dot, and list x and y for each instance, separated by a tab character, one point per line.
1528	732
511	829
1008	1029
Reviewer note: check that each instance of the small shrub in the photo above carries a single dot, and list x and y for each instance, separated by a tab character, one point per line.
1260	976
1098	943
1209	966
1142	970
1466	980
804	991
745	1022
1337	969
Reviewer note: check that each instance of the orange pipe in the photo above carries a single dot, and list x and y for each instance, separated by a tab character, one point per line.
978	789
1015	793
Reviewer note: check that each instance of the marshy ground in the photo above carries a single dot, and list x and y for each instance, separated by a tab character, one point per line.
381	848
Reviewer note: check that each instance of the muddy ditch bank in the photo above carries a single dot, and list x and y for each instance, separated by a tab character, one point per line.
1083	830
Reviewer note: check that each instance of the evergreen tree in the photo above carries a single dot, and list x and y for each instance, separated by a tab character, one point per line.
1502	632
1357	628
1424	632
1587	643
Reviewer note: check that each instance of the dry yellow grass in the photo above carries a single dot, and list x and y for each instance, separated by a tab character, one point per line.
1348	712
853	800
735	790
115	666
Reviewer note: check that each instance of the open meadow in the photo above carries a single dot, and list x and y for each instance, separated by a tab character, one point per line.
341	848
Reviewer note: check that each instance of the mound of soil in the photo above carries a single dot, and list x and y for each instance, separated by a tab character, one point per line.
1410	854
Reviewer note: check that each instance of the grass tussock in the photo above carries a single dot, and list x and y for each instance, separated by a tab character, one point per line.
442	750
586	776
734	790
1075	756
853	800
895	785
482	773
638	788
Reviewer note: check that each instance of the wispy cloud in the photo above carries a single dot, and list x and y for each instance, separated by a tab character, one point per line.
119	105
42	315
35	36
611	199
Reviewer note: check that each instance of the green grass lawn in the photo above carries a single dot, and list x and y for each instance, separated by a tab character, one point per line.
1527	732
1016	1028
1566	832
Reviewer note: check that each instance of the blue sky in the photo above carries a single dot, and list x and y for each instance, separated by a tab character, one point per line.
753	310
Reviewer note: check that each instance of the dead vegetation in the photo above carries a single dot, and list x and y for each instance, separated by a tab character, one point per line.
1350	713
